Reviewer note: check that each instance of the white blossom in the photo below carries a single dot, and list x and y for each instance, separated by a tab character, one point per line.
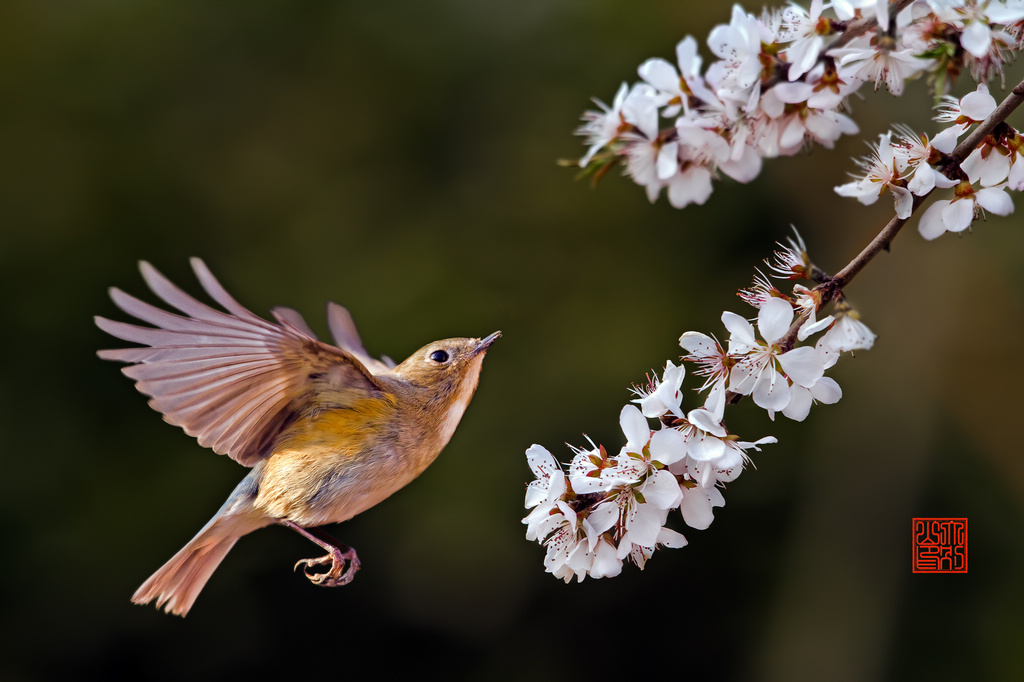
800	27
601	127
757	371
712	364
880	62
663	396
914	154
774	88
738	46
824	390
846	334
957	214
880	173
698	504
974	107
678	85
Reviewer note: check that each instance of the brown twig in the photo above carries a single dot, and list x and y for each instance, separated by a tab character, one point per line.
831	287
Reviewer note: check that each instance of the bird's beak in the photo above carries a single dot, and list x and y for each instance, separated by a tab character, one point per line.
486	343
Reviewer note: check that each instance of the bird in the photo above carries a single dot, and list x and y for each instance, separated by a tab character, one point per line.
327	430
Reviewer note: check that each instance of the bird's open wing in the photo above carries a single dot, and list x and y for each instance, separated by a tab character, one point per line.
343	329
233	380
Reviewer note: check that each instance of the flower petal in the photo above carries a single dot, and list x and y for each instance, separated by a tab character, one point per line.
542	463
707	420
668	161
606	562
977	38
604	516
644	522
826	391
661	490
946	140
715	403
958	215
700	344
1016	177
799	403
803	365
660	74
668	446
903	201
691	186
582	485
742	332
931	225
704	448
807	329
635	428
995	200
923	181
771	391
773	319
671	539
978	105
696	508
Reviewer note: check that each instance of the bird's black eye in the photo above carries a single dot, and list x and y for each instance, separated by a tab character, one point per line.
439	356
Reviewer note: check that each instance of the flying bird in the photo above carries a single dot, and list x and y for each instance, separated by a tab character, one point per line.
327	430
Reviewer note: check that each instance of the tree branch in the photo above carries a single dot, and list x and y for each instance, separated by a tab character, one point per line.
831	287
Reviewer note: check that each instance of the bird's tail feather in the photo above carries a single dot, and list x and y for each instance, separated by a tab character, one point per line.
177	583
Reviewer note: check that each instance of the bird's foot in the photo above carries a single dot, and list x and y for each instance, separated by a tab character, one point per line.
338	574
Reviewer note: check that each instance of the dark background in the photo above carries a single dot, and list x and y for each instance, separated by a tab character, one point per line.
400	158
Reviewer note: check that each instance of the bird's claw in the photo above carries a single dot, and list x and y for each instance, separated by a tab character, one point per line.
338	574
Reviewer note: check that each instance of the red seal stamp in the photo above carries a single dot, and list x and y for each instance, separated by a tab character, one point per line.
939	545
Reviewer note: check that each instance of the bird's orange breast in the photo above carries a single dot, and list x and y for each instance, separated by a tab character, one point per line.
328	461
349	428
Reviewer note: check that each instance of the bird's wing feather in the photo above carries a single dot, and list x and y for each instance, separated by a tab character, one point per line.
233	380
289	317
346	336
343	328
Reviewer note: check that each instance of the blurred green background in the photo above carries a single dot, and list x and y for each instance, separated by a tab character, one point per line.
400	158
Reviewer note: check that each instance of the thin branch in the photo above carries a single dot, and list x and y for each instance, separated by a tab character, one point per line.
830	288
962	151
1005	108
881	242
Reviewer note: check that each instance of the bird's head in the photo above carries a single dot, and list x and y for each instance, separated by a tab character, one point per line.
448	368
